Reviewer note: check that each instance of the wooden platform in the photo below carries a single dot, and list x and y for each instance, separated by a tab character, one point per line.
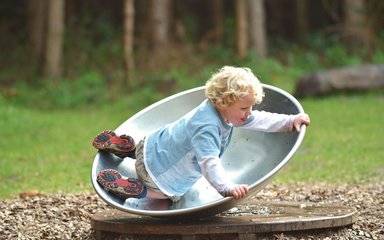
244	222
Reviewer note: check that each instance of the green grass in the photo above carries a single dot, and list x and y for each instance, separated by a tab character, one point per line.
344	142
50	151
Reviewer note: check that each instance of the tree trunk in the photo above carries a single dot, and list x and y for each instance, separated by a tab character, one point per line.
354	10
257	28
302	19
128	41
144	32
213	23
241	28
54	46
160	25
280	17
36	30
356	31
218	20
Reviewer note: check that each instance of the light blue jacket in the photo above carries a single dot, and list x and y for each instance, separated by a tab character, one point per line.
180	153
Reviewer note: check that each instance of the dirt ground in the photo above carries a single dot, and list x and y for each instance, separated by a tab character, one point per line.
67	216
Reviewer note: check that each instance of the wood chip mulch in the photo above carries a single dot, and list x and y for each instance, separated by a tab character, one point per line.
67	216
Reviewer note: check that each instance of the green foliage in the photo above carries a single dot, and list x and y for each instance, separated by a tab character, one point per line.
219	54
89	88
338	56
378	57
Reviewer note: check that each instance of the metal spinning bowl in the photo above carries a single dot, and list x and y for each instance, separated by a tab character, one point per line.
252	157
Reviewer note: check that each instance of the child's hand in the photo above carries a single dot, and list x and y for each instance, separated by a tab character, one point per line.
239	191
300	119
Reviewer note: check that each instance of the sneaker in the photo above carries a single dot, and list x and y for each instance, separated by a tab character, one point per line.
112	181
122	146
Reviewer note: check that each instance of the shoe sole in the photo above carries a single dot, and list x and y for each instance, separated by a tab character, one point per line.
112	181
111	142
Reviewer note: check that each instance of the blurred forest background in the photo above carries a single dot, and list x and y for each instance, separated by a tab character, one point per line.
70	69
79	48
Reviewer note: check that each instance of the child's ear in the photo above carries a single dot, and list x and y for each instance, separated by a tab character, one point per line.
214	101
219	105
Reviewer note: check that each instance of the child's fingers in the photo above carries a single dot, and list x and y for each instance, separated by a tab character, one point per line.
240	191
302	119
298	127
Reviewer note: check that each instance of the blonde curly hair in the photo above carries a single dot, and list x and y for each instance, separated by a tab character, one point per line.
231	83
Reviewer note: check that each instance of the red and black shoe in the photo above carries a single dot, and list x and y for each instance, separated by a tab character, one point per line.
122	146
112	181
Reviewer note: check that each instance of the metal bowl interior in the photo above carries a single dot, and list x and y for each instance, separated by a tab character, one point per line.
252	157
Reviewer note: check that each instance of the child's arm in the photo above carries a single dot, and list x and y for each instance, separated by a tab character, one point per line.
215	174
275	122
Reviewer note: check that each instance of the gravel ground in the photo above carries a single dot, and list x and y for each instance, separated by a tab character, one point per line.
67	216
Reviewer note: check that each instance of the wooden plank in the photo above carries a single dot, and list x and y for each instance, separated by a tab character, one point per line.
189	237
247	236
275	217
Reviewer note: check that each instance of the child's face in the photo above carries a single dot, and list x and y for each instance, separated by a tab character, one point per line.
237	113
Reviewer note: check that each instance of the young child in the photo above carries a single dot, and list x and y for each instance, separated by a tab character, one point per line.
171	159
